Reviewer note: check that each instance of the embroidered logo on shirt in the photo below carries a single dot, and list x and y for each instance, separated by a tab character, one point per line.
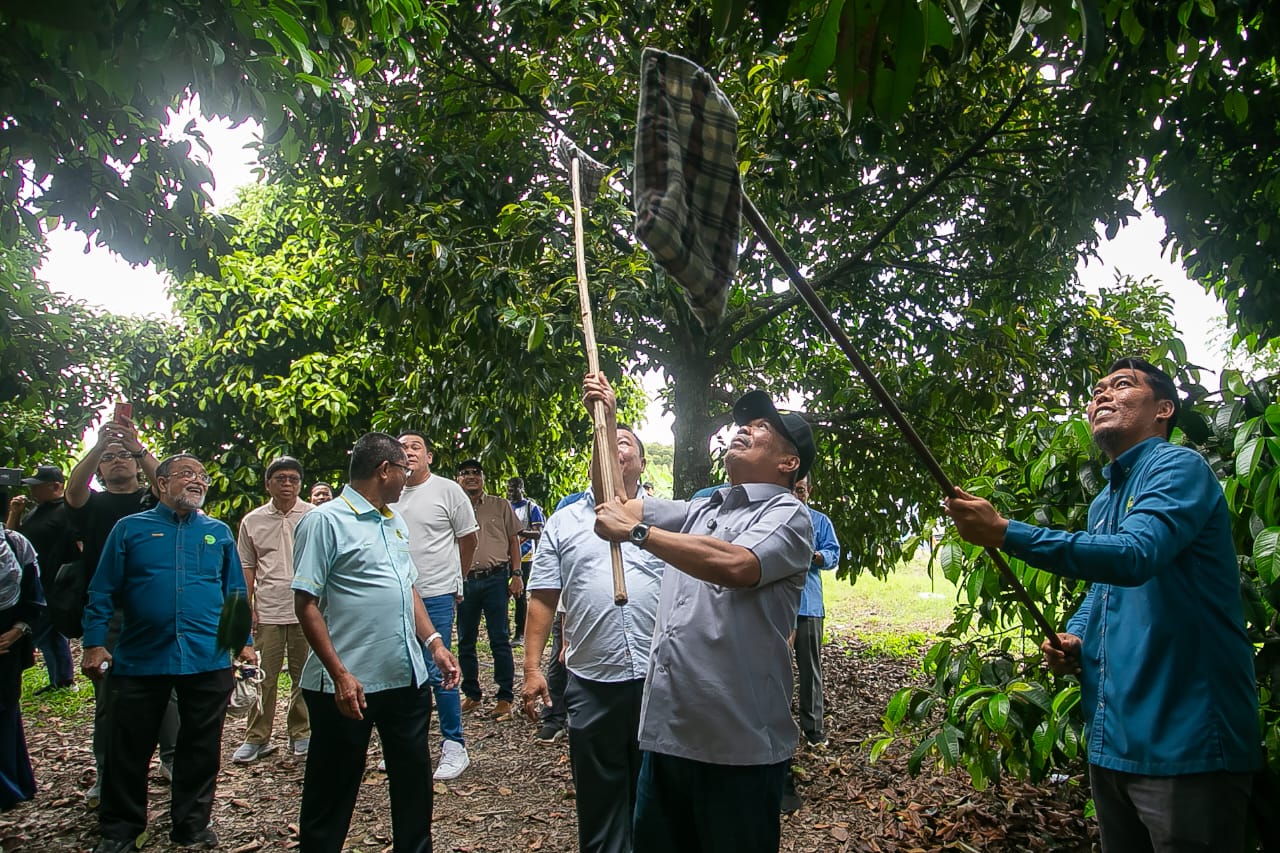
1128	506
209	539
399	535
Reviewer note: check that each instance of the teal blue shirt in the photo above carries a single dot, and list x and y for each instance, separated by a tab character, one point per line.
1167	677
168	576
354	558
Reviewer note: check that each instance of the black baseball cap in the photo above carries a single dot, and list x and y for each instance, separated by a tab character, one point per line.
470	463
45	474
756	404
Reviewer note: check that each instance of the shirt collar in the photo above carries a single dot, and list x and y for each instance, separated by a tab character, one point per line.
168	514
590	496
360	504
745	493
1125	462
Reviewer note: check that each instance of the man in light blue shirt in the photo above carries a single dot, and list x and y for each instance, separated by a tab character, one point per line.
826	556
167	571
354	597
607	658
1166	668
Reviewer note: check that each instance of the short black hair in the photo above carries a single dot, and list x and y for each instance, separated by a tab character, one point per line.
1160	383
317	485
285	463
370	451
426	442
519	480
639	443
162	470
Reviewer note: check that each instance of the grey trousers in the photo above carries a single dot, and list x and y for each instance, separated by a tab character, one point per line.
809	686
1195	813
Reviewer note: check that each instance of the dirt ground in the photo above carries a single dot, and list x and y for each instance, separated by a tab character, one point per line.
518	795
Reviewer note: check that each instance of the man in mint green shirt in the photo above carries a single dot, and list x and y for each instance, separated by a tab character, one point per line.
354	598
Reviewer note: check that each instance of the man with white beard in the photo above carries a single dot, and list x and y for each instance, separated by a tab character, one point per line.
168	571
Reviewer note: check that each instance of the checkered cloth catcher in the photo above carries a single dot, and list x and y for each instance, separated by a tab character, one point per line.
688	196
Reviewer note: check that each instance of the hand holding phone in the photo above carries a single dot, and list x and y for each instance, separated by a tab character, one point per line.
123	413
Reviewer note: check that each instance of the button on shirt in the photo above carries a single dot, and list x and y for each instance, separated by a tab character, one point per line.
265	545
168	575
719	684
1167	677
609	642
354	558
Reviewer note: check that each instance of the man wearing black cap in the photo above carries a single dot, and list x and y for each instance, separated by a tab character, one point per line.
716	722
48	527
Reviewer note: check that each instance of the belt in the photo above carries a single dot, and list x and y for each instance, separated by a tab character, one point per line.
476	574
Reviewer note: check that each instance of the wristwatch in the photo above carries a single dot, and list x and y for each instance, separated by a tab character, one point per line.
639	535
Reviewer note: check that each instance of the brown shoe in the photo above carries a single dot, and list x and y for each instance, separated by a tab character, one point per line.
469	704
502	711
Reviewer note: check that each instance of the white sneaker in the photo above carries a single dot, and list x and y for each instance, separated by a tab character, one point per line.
251	752
453	760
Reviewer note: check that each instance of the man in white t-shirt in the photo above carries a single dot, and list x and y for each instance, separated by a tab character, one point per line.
442	539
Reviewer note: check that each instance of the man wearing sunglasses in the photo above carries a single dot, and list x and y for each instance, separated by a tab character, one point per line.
167	572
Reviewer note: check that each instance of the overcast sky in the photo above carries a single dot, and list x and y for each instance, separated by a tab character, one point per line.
102	278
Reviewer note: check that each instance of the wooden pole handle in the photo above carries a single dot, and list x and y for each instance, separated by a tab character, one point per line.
606	442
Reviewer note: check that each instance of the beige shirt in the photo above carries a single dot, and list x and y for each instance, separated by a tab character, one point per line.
498	524
265	544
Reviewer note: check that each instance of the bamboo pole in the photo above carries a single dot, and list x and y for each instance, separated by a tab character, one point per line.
605	439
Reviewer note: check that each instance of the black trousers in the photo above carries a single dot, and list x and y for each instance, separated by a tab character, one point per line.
687	806
522	601
335	768
557	677
136	707
604	752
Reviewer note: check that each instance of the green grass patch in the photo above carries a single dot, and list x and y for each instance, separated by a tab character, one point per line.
55	705
906	608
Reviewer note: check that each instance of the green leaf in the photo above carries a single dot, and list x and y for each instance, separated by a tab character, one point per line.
996	712
948	740
878	748
899	55
1266	552
951	560
1247	458
918	754
1237	106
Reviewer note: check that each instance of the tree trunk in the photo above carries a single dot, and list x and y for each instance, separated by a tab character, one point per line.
692	408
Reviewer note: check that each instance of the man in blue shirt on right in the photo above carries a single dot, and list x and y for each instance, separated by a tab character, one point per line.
1165	665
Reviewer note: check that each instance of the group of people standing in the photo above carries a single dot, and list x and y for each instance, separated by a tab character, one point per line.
677	700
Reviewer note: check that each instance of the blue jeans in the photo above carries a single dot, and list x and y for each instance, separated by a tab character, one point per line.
56	652
486	597
448	705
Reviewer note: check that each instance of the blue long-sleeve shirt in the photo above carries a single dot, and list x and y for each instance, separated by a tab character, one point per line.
168	576
826	544
1167	675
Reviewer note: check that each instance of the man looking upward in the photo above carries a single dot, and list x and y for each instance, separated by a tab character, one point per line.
1166	668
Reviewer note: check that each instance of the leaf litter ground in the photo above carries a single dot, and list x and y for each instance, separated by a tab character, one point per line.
518	795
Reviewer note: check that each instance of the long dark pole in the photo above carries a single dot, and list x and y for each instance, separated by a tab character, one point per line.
819	308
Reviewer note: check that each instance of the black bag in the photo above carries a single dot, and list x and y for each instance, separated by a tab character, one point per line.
66	597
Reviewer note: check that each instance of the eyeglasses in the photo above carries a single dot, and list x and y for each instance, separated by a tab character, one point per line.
471	472
408	470
112	457
287	479
188	474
